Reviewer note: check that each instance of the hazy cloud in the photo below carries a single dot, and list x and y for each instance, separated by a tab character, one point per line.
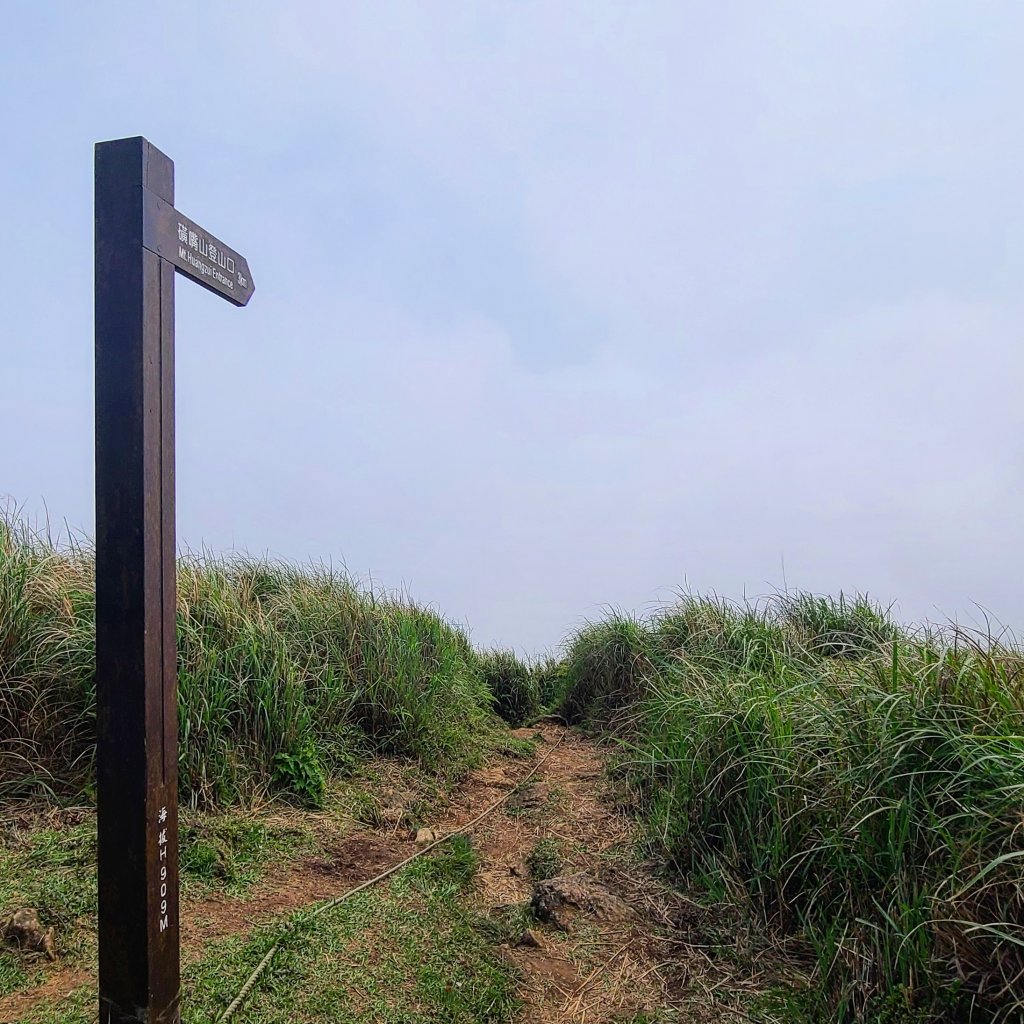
557	305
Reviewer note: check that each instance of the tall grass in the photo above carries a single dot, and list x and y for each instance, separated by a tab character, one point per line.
858	787
286	674
513	685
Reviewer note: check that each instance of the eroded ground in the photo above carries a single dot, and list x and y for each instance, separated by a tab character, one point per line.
544	915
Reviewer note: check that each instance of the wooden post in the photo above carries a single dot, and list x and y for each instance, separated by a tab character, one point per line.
141	242
136	664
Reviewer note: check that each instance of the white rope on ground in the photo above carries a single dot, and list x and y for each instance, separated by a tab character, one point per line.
290	929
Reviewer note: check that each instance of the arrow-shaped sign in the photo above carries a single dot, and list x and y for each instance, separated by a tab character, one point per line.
194	251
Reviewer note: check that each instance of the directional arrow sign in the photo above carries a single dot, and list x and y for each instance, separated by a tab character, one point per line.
194	251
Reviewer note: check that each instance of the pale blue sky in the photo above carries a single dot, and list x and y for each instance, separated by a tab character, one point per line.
605	299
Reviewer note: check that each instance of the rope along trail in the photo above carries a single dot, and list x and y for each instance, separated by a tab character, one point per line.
294	927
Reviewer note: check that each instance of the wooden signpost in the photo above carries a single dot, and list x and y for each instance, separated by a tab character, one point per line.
141	240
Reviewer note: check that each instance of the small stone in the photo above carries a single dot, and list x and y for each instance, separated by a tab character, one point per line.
24	930
425	835
559	901
530	938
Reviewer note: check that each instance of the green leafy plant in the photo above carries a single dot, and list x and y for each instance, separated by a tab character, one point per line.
301	773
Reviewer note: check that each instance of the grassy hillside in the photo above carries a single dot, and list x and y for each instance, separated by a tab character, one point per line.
857	786
286	675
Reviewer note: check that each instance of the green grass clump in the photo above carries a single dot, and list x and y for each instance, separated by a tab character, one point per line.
609	664
512	685
545	859
837	627
408	950
13	975
51	868
230	852
286	676
452	867
552	682
855	785
512	746
605	669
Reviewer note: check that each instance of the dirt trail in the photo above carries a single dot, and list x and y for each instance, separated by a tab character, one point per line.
604	952
612	942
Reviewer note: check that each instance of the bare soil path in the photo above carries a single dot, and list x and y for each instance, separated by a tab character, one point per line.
592	958
593	934
612	942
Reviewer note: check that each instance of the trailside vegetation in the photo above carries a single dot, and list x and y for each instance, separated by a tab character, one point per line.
286	675
513	685
855	786
858	787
